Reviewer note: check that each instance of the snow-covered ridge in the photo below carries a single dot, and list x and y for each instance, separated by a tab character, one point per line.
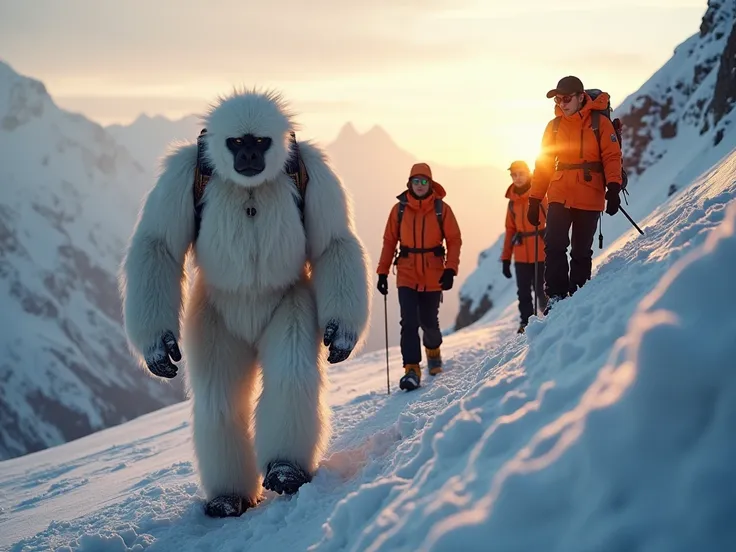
693	91
70	198
678	124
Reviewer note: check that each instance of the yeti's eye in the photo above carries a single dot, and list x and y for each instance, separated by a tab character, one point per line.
259	140
237	141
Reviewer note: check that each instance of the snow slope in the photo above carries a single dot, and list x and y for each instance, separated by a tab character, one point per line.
607	426
675	127
70	197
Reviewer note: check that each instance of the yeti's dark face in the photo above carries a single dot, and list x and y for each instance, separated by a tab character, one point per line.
247	140
249	153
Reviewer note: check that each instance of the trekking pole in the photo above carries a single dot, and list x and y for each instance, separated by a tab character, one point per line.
630	220
385	316
536	267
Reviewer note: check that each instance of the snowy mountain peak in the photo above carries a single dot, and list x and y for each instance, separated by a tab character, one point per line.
718	18
691	95
376	138
21	99
70	198
348	133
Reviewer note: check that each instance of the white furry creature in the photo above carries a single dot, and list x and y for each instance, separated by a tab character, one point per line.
269	291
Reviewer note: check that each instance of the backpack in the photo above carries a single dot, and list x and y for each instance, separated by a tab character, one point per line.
294	167
404	251
595	117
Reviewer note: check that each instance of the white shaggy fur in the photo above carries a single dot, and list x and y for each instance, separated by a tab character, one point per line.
263	294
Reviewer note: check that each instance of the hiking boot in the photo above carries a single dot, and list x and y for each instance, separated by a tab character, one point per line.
434	361
551	301
522	328
411	378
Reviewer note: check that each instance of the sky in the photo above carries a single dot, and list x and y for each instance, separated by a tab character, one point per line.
457	82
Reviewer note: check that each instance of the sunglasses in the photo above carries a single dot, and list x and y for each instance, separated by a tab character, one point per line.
422	181
564	99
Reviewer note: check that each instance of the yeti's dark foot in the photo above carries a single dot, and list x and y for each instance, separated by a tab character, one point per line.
227	506
285	477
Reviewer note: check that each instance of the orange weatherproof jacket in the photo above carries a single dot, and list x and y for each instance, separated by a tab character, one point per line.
576	143
516	222
420	229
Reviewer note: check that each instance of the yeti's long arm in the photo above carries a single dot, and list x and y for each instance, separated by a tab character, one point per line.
340	266
152	271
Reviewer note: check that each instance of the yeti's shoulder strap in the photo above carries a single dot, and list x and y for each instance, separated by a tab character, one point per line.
202	175
294	167
297	170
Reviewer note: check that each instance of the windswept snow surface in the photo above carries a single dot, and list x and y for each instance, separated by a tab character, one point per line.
608	426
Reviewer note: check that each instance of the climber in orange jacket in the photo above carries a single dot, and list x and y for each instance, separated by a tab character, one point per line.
419	223
580	176
519	244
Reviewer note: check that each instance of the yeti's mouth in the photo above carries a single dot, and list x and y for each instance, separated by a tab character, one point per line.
250	171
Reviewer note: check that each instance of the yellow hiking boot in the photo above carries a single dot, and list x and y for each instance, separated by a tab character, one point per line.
411	378
434	361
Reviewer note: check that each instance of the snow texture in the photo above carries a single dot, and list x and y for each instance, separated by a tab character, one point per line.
607	426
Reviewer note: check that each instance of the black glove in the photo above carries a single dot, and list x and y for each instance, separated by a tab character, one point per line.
383	284
507	269
157	356
613	200
340	341
533	214
446	279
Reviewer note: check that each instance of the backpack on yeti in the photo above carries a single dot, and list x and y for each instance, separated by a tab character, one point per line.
294	167
595	117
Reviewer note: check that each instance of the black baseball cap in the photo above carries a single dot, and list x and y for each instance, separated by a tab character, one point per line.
567	85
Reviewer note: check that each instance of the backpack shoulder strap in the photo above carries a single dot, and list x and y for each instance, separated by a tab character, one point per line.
555	127
202	175
400	215
297	170
438	205
595	124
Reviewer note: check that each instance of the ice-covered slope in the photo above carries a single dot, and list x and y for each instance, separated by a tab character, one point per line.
70	196
677	125
608	426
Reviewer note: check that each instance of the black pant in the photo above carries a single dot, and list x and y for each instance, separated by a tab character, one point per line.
556	241
524	286
419	309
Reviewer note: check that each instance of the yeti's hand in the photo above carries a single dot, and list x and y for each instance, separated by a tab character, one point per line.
340	341
157	356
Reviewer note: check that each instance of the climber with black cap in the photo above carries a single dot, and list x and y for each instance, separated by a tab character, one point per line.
579	178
